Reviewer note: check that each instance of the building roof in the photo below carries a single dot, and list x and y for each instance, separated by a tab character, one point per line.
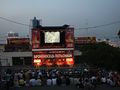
52	27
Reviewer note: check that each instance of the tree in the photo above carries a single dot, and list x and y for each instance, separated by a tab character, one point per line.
100	54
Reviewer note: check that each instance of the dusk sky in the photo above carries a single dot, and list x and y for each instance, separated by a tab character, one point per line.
77	13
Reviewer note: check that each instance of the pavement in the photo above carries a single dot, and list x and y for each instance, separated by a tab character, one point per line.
101	87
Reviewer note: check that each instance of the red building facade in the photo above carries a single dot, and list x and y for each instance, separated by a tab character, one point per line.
53	45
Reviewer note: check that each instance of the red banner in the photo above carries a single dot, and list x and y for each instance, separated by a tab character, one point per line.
35	39
69	38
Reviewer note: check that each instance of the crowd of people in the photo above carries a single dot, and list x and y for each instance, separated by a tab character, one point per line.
52	77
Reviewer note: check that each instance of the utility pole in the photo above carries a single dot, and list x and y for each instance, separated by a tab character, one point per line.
86	26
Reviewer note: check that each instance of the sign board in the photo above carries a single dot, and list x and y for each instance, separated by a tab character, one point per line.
18	41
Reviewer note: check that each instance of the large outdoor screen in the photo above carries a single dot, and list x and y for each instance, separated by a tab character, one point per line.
52	37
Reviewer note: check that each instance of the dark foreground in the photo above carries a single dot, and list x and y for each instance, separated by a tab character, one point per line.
101	87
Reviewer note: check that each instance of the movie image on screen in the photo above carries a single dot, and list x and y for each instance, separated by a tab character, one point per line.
52	37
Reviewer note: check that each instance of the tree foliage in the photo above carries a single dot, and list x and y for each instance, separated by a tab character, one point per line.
100	54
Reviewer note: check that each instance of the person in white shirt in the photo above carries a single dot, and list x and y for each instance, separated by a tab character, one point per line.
71	80
93	78
38	82
49	82
103	80
54	81
32	82
40	73
110	82
76	80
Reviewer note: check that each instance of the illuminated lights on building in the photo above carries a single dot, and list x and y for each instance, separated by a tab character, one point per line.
69	61
60	62
37	62
49	62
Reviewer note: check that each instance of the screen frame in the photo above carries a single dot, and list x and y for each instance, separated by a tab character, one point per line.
62	43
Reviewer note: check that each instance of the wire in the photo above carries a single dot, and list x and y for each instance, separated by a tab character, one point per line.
97	26
14	22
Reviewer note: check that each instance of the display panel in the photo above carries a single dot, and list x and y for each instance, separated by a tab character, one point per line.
52	37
